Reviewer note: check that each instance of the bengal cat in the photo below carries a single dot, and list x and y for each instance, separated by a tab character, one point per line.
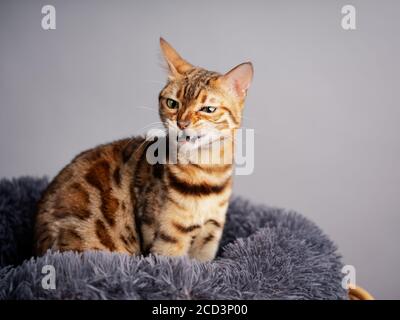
112	198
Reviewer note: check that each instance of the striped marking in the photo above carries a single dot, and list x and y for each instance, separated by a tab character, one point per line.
183	229
117	176
98	176
79	193
158	171
179	94
147	219
167	238
233	117
214	222
212	168
103	235
202	189
208	238
69	239
223	202
127	244
81	214
109	206
176	203
44	243
72	204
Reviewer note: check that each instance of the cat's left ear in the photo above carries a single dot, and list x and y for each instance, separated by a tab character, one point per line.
238	79
177	65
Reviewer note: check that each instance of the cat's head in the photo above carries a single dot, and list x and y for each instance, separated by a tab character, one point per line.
201	106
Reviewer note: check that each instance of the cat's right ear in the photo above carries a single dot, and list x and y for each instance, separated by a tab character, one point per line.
176	64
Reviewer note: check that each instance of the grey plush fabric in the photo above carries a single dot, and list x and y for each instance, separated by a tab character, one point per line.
266	253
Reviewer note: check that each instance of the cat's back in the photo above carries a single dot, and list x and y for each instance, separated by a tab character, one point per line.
88	205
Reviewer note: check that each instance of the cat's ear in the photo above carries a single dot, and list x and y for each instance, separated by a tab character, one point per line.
238	79
177	65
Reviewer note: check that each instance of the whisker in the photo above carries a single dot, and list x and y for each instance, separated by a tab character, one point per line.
138	148
147	108
142	128
149	125
147	138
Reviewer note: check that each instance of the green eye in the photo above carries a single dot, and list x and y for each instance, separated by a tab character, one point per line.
208	109
172	104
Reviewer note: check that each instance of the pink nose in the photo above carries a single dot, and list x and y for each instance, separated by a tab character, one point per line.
182	124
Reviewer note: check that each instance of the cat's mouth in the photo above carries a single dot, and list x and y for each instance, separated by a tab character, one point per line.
184	138
193	142
190	139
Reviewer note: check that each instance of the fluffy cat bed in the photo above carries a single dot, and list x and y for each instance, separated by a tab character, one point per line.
266	253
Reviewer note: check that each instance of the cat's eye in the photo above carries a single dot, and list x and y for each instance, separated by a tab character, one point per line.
172	104
208	109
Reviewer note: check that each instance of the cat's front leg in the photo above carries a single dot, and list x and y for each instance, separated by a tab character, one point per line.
206	244
174	240
167	245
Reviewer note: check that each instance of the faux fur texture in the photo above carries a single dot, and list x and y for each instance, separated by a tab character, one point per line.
266	253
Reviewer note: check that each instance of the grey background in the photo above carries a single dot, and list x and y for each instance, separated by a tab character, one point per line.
324	103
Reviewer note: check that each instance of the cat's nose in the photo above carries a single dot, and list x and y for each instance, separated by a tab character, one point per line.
182	124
